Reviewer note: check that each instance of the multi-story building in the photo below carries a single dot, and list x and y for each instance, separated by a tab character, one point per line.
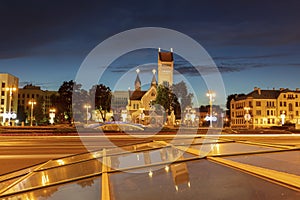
8	98
165	68
34	93
265	108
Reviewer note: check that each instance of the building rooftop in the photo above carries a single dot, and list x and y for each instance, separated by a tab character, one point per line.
137	95
258	93
165	56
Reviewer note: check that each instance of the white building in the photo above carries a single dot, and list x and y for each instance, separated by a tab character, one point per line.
9	98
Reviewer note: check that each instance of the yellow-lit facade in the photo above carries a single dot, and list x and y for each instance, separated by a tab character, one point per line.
31	92
8	96
165	68
267	108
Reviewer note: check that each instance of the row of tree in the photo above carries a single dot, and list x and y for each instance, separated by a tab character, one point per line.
71	98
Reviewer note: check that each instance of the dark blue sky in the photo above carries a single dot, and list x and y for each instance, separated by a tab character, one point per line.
254	43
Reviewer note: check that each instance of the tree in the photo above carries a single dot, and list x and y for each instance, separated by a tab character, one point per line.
21	113
167	99
38	111
185	98
102	99
71	98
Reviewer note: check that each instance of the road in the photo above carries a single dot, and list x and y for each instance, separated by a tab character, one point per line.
17	152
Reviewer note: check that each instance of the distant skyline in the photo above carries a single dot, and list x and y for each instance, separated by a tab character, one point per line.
253	43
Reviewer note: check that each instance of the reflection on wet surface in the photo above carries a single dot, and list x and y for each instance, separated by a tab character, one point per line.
196	180
57	175
288	161
168	154
231	148
84	189
159	169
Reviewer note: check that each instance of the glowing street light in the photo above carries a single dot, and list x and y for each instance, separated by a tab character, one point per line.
87	106
31	102
211	95
247	116
52	115
11	90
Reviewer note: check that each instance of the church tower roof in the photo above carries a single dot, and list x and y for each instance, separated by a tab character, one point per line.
153	82
137	82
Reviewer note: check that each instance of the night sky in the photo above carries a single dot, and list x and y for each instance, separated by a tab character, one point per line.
253	43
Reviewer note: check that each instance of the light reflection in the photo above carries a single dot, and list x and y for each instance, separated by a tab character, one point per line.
180	175
167	168
60	162
45	179
150	174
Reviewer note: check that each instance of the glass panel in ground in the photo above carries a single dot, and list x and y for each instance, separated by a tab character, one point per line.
58	175
232	148
134	148
189	141
130	160
286	161
72	159
199	179
83	189
18	173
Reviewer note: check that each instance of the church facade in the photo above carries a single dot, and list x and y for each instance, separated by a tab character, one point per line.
139	108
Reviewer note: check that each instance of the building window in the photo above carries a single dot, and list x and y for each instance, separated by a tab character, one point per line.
297	113
258	112
280	103
296	104
232	114
2	93
284	96
2	101
258	103
268	112
27	95
3	85
284	104
32	96
290	107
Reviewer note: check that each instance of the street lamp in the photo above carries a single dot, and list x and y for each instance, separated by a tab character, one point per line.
31	102
247	116
211	95
52	115
87	106
11	90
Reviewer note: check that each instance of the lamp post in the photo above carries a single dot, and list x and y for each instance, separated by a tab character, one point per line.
52	115
87	106
247	116
31	102
211	95
11	90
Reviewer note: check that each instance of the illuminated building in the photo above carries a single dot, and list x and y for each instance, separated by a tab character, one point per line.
31	92
266	108
8	96
165	68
